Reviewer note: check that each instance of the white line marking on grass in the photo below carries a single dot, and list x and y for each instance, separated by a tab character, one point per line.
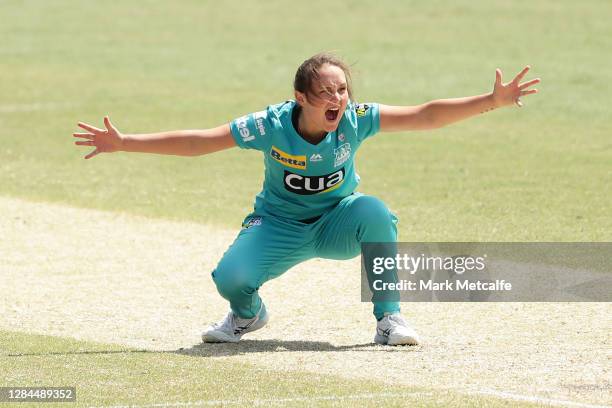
540	400
269	401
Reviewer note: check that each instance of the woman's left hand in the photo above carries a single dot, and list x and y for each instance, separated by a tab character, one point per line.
507	94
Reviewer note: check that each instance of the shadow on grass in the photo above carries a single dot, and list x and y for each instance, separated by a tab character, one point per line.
282	346
243	347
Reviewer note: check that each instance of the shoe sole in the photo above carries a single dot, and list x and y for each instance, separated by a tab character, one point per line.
403	341
218	337
399	341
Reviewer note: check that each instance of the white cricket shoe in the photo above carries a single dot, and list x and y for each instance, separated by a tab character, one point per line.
394	330
231	329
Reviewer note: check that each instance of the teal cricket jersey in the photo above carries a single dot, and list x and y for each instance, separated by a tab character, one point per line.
303	180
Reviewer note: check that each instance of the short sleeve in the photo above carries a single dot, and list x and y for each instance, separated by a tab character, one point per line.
368	120
252	131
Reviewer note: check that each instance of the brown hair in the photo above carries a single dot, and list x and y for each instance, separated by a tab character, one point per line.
309	71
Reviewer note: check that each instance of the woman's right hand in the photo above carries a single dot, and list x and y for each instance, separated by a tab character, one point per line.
105	141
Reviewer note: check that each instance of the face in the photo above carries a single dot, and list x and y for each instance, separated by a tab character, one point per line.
324	106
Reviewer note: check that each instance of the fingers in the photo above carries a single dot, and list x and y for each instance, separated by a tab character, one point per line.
529	83
518	101
92	154
85	143
89	128
84	135
93	132
521	74
88	143
498	77
109	125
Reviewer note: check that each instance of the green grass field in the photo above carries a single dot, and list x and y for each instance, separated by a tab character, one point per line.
540	173
110	375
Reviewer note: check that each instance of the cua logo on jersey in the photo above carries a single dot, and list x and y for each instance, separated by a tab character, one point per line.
243	129
308	185
297	162
361	109
342	154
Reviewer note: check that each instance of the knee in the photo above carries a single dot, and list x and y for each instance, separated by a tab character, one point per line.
370	209
234	279
376	221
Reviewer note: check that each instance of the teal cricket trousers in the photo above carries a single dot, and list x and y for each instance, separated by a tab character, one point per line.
268	246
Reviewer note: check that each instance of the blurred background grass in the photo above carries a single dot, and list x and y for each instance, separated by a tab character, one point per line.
540	173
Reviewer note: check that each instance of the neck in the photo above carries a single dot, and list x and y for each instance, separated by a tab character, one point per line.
308	133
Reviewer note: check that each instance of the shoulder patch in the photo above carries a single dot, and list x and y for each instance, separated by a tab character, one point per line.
361	109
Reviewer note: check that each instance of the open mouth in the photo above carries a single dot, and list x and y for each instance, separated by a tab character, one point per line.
332	114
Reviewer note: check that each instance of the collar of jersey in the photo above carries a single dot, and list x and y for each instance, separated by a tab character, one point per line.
302	140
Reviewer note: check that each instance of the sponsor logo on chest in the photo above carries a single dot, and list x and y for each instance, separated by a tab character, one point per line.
296	162
308	185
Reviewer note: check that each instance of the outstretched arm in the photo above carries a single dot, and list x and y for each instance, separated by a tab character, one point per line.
442	112
179	142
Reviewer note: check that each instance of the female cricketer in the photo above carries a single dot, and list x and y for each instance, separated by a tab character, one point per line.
309	206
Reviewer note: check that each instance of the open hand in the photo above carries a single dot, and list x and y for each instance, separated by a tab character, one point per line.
507	94
105	141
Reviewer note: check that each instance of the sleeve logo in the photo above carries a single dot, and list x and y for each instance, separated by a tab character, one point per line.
243	129
259	122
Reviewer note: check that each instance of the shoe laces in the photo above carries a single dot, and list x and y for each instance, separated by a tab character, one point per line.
227	324
397	319
234	324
